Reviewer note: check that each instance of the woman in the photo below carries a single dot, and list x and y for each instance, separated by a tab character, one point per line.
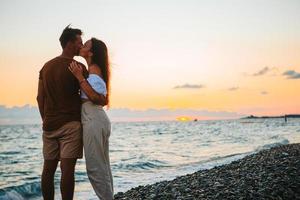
96	125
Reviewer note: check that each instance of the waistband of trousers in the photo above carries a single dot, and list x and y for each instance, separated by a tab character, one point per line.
88	102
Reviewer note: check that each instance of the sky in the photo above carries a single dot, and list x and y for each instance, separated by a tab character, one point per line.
217	56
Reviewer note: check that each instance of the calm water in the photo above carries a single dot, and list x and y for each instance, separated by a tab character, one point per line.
142	152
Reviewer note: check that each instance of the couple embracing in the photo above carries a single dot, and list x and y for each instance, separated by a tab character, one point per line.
71	100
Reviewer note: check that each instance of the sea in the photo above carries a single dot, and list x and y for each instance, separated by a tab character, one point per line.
141	152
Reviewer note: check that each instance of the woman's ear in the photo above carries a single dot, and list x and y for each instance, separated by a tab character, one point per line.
90	54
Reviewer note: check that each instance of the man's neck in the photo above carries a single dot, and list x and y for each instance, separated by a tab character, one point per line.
67	54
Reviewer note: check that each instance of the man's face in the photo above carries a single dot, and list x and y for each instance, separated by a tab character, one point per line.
77	44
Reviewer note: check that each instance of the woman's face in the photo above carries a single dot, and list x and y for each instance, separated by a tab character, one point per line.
85	50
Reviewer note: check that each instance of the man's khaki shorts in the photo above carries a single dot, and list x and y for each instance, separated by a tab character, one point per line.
65	142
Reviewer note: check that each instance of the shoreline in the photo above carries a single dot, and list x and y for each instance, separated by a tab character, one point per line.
272	117
268	174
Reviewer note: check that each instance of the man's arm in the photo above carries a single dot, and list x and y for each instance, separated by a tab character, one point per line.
40	98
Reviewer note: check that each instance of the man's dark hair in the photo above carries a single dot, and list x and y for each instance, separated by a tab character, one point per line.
68	34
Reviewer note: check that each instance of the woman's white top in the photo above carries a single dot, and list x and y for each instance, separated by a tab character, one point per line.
97	84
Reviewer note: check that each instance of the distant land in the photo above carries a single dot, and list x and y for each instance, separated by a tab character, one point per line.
267	117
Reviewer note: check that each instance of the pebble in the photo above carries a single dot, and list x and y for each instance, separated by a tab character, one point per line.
269	174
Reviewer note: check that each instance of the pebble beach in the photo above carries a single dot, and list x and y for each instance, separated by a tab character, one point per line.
268	174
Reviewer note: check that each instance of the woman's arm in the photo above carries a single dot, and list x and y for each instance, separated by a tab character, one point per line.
93	96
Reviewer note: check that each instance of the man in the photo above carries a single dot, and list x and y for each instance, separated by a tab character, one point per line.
60	108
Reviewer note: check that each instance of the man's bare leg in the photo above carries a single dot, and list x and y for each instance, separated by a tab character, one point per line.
67	166
48	179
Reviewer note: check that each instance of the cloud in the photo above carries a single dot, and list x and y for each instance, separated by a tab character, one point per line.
30	114
262	71
168	114
188	86
264	93
233	88
291	74
19	115
266	70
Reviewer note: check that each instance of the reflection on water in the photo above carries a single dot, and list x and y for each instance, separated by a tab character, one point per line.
142	152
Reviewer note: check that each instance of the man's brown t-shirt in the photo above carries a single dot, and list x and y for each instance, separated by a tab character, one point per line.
62	102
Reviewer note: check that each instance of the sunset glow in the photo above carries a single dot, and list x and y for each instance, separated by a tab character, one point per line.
207	55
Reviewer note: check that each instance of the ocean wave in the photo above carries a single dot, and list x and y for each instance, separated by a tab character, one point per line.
215	160
141	149
21	192
268	146
10	152
144	165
